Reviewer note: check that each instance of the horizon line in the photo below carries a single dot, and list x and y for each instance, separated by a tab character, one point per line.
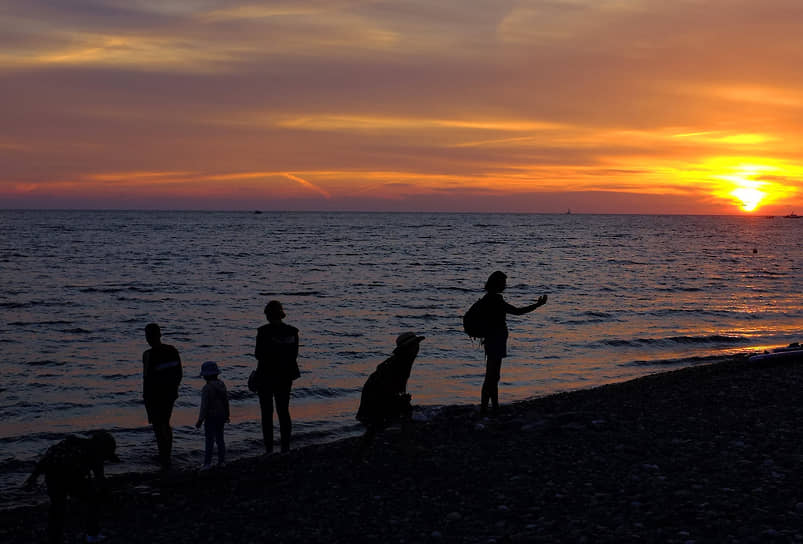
318	211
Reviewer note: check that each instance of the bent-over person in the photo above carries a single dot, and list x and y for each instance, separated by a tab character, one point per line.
74	468
384	397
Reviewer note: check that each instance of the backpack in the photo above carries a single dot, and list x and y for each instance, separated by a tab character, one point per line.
475	320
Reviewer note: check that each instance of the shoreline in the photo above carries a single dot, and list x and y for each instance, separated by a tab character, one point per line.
707	453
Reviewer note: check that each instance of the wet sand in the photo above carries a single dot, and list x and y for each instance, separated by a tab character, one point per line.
704	454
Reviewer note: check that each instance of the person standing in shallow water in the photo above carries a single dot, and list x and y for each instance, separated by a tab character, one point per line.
214	414
277	366
495	342
161	376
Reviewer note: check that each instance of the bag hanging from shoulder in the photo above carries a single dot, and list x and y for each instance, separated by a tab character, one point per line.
253	386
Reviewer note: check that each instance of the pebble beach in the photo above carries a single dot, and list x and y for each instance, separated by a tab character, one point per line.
710	453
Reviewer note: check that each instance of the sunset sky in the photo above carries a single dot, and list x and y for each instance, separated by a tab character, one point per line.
601	106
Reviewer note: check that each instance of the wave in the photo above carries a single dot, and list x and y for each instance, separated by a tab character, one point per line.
628	262
460	289
310	293
597	314
670	340
45	363
119	289
47	436
32	304
240	394
26	407
116	376
674	289
325	392
16	305
422	317
415	226
13	464
28	323
679	361
765	273
591	317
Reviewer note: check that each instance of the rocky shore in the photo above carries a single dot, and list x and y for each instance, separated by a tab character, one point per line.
710	453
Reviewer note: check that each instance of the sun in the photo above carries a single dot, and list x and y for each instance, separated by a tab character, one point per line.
743	184
750	197
750	183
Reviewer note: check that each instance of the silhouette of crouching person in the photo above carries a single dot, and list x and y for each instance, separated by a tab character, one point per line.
277	366
384	398
74	468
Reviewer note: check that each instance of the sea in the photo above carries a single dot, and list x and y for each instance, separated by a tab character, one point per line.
629	295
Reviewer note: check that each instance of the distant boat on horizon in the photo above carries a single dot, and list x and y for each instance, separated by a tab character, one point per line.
569	211
792	216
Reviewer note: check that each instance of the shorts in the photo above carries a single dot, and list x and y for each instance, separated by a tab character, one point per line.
159	410
496	345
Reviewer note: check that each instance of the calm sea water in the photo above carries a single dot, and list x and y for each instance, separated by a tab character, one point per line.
628	295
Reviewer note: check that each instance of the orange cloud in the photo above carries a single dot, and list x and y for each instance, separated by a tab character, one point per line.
323	101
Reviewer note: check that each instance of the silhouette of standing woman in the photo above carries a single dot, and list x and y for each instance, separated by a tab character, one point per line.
276	352
496	310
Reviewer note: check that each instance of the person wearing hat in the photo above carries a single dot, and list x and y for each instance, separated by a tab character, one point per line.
496	310
277	366
214	414
74	468
384	397
161	376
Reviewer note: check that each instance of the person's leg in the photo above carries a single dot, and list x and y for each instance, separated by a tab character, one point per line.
484	392
266	409
164	441
495	350
158	433
490	387
57	492
169	444
282	394
86	490
160	413
221	443
168	433
365	442
492	375
209	443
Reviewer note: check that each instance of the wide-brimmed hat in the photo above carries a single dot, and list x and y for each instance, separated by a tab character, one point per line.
407	338
209	368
